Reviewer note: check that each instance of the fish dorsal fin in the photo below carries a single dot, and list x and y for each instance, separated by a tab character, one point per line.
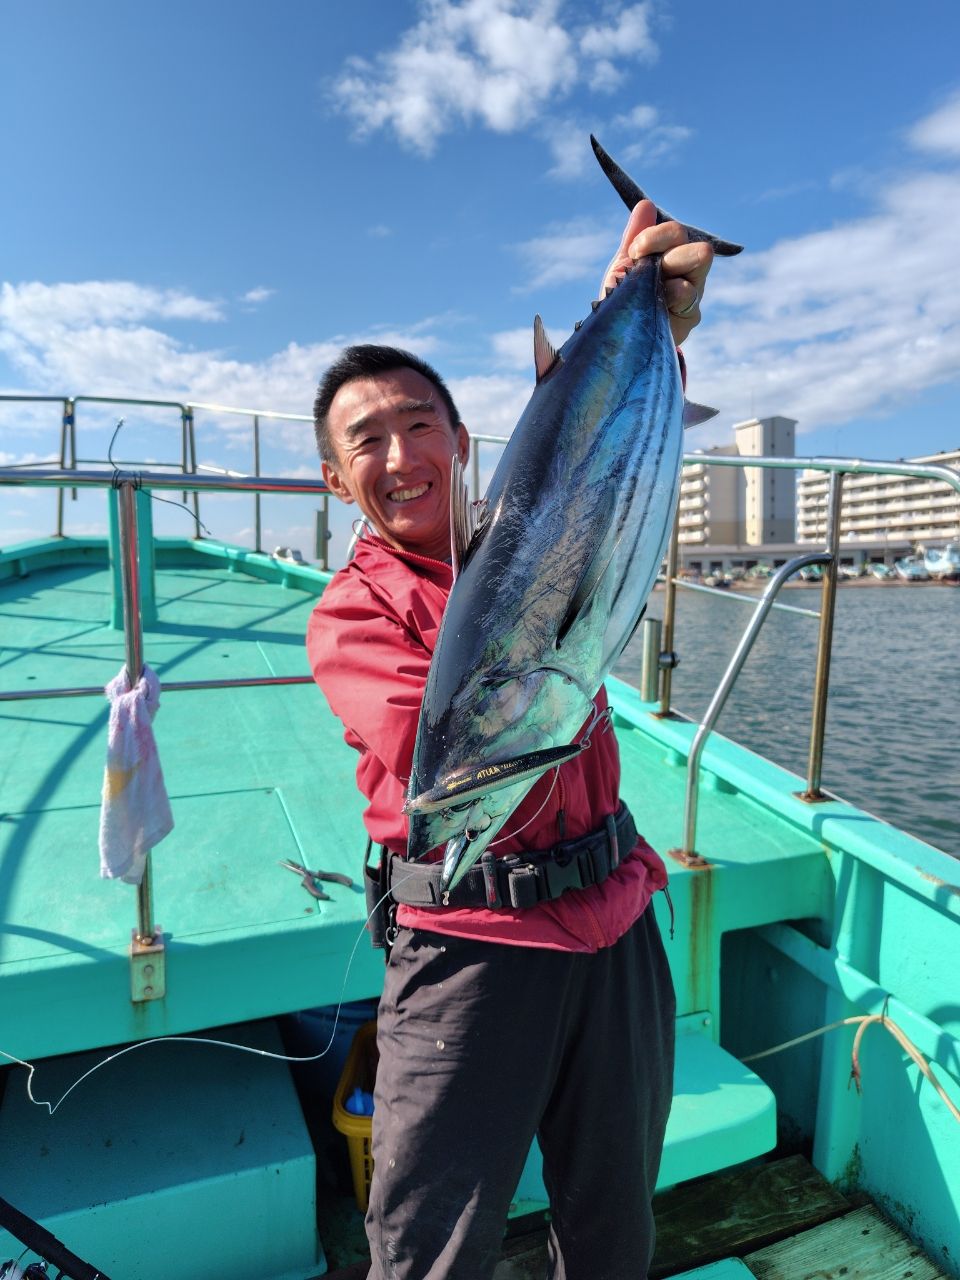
594	570
545	354
631	195
465	516
694	414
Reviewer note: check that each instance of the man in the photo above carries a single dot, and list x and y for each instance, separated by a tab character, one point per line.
553	1019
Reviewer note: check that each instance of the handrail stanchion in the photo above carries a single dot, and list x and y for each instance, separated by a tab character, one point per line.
321	542
258	538
192	439
66	433
184	467
668	659
145	933
687	851
821	683
475	463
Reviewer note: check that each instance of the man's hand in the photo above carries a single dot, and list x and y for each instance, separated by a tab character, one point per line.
684	266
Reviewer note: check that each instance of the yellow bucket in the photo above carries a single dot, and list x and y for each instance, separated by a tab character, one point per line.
359	1072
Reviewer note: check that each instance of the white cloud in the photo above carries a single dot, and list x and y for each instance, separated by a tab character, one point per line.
260	294
500	63
567	251
838	323
940	131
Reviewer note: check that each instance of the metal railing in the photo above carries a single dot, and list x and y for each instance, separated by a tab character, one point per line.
147	946
836	469
187	465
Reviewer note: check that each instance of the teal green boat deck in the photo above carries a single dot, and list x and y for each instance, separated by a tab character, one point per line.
801	916
254	775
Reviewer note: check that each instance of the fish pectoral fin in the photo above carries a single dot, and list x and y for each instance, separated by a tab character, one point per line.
630	194
466	517
694	414
545	355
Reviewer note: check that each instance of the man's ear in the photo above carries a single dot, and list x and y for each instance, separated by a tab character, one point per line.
334	483
463	444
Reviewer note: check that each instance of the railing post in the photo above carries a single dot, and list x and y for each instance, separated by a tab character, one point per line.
145	934
821	683
668	659
184	456
66	434
192	442
321	545
258	540
650	630
475	465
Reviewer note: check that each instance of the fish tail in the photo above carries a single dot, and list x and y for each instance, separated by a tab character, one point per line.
631	194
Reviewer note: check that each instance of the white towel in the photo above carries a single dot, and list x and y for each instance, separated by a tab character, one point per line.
135	813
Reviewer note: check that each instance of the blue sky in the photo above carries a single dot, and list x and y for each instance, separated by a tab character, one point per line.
207	200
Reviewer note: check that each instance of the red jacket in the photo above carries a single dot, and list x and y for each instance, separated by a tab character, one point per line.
370	641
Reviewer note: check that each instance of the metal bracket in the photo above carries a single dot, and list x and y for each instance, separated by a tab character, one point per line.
148	968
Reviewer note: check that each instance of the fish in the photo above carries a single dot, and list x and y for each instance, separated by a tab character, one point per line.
553	567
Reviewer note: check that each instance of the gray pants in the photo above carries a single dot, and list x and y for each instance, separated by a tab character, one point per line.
481	1047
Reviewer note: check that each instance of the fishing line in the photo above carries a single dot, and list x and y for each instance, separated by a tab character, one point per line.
556	775
137	481
221	1044
606	715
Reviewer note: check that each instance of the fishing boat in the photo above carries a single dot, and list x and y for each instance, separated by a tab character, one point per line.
911	569
882	572
151	1122
943	563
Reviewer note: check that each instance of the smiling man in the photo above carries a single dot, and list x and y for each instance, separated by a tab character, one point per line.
551	1017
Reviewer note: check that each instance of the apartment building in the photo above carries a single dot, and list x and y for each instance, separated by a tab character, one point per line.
882	512
732	506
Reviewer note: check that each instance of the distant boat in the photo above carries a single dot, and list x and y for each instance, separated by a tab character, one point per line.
911	569
882	572
943	562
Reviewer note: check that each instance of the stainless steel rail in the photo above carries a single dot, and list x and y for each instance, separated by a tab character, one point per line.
688	847
837	469
188	441
55	477
169	686
148	980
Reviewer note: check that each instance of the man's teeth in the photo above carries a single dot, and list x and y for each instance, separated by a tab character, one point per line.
404	495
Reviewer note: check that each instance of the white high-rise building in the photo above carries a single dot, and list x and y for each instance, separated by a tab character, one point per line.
730	505
883	509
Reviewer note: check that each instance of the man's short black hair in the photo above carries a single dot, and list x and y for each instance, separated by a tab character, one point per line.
366	360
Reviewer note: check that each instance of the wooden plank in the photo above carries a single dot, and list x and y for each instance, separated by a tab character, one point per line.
730	1213
715	1218
861	1245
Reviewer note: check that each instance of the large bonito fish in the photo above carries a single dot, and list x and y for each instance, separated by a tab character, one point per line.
552	581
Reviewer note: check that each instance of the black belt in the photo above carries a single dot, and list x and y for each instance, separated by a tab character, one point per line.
518	879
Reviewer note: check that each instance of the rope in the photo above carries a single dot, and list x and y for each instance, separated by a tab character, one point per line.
861	1023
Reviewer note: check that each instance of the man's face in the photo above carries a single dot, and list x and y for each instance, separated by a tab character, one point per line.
394	445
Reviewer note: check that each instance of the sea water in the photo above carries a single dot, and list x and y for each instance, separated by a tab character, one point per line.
892	743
